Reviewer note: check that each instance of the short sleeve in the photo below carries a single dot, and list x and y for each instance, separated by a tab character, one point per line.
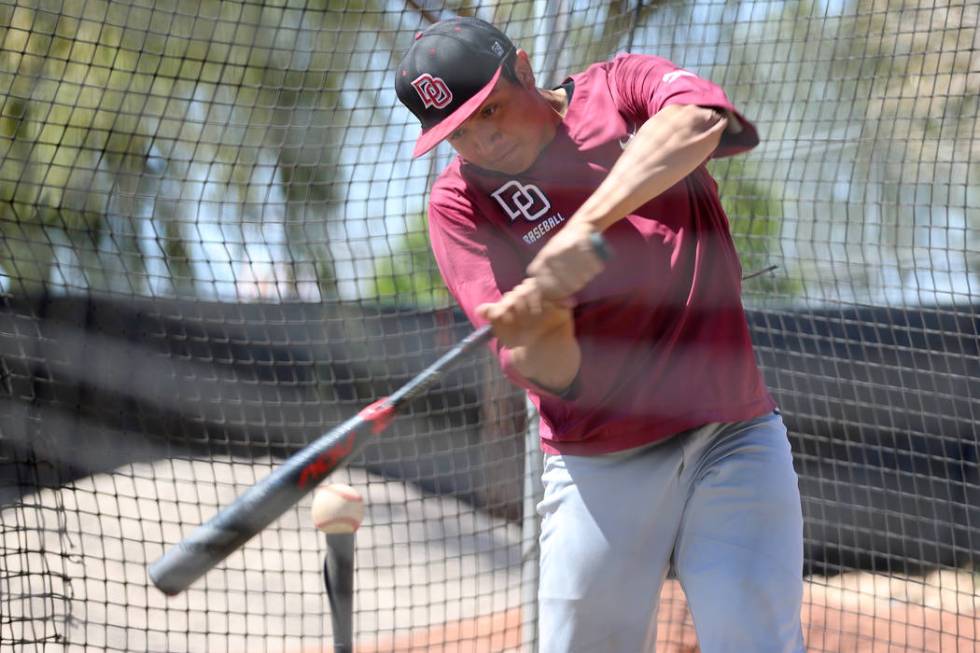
476	264
463	250
645	84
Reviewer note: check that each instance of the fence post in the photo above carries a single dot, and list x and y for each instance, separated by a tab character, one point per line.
533	491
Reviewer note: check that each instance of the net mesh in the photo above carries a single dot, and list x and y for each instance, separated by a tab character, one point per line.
214	249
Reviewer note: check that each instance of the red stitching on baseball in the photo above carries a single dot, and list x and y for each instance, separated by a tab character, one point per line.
353	523
352	495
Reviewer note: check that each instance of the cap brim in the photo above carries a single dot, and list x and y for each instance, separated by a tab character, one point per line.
432	136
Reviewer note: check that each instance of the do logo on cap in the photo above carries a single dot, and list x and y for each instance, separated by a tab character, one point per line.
433	91
448	72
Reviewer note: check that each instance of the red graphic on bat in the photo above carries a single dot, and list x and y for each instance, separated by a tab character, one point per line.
379	414
327	461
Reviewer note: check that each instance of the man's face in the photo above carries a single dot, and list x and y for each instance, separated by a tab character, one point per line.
507	133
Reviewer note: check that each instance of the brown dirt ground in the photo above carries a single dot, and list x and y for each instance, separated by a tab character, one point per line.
851	613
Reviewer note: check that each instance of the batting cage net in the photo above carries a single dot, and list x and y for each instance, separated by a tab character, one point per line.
215	249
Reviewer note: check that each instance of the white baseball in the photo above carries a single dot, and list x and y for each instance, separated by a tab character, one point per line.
337	508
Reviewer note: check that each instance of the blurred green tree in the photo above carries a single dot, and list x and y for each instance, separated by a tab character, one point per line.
870	112
148	148
409	275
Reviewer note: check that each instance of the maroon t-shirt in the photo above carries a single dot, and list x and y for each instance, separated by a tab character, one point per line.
665	345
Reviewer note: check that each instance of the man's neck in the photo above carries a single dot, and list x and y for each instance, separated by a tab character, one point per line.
556	105
557	99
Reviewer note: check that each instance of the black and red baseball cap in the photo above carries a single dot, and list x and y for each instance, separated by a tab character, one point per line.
448	72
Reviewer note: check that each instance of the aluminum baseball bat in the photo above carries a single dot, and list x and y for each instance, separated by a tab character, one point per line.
268	499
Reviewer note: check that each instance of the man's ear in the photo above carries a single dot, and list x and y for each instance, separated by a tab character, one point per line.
522	68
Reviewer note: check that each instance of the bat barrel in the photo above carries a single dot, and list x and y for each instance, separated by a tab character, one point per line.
426	377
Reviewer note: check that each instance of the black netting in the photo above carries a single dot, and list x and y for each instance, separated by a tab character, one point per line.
214	249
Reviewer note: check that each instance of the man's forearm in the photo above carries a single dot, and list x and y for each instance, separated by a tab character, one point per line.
667	148
552	362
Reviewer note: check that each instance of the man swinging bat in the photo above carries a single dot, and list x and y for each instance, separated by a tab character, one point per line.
663	446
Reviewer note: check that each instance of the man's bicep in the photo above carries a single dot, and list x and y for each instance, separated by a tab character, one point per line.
708	118
733	125
735	134
645	85
681	124
713	117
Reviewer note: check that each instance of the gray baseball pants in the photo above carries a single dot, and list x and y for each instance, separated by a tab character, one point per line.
720	503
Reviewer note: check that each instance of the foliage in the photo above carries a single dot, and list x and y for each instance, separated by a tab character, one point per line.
171	147
141	140
755	214
409	274
871	110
